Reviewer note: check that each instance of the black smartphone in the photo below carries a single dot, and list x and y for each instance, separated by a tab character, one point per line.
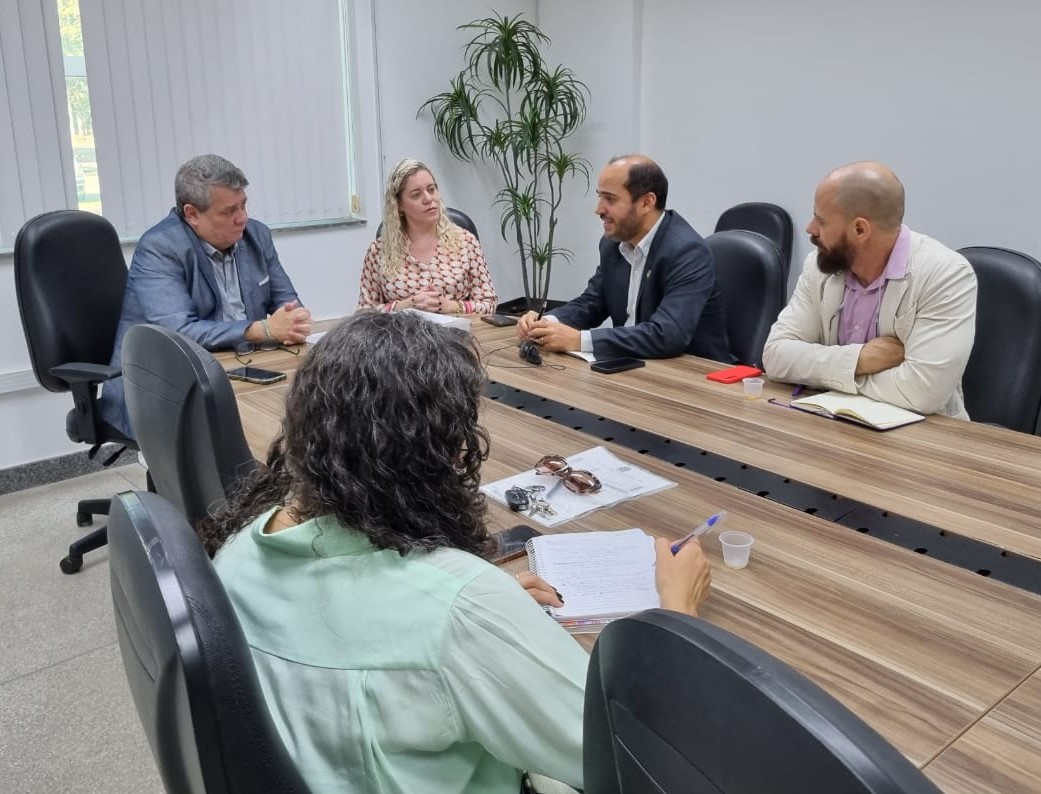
509	544
500	320
256	375
611	365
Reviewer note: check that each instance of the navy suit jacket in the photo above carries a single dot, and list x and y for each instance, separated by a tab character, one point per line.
679	308
171	283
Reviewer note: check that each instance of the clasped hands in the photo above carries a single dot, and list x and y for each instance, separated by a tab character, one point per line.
288	325
430	300
683	580
549	334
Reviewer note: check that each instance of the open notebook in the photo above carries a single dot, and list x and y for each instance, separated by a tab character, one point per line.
601	575
856	408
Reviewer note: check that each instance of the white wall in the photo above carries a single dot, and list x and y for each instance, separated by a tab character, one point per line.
757	100
601	43
740	101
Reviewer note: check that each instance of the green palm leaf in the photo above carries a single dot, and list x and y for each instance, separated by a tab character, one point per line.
509	109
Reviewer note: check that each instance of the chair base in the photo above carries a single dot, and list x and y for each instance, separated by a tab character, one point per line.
85	512
89	542
88	508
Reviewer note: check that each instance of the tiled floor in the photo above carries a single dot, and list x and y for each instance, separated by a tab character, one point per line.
67	722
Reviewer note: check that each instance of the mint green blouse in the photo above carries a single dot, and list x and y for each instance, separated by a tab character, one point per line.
431	672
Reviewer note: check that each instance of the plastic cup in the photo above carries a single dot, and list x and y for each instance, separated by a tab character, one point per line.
753	388
737	546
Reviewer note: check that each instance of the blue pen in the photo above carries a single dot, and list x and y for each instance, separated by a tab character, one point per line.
704	527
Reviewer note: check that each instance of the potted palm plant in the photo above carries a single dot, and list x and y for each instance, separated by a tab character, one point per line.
509	108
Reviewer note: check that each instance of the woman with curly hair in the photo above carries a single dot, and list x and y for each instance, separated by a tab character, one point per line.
393	657
422	260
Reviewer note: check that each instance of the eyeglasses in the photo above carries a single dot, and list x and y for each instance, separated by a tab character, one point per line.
246	348
575	480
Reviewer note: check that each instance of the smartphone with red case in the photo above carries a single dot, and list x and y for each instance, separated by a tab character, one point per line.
734	374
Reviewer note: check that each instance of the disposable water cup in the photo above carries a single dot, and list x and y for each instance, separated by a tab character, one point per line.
753	388
737	546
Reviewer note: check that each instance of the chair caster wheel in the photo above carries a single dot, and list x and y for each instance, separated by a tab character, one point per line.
84	519
71	564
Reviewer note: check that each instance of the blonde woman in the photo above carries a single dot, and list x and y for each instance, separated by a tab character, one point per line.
423	260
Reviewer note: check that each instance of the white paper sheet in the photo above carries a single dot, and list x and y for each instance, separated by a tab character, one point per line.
621	481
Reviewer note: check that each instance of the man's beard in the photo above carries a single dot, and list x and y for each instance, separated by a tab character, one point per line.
625	228
832	260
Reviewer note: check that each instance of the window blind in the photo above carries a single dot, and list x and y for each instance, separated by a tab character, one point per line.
261	82
36	171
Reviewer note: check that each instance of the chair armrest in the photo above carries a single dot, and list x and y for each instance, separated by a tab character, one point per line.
83	379
82	372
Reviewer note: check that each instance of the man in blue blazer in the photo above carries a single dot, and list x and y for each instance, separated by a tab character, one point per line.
656	280
209	272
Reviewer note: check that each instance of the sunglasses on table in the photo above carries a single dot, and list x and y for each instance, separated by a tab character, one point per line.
248	348
575	480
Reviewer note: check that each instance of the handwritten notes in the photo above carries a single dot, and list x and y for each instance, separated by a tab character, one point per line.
602	575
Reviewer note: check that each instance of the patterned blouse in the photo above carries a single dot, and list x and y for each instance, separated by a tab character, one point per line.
462	277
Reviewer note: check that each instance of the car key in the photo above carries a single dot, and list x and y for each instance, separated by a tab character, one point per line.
517	499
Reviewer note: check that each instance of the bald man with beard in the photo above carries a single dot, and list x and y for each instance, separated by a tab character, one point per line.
879	310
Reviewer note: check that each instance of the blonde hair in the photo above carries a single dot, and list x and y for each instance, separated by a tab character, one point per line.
395	236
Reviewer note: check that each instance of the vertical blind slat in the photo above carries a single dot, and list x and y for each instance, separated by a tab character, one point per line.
35	138
254	80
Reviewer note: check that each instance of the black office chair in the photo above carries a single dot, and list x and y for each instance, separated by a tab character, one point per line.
458	217
69	277
675	704
769	220
748	270
186	659
1002	381
183	410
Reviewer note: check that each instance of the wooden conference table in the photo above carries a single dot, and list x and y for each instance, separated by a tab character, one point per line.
943	662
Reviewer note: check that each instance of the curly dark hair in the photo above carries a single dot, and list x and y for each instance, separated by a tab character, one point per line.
381	431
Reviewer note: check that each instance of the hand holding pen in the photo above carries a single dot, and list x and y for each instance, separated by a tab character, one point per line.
700	530
683	580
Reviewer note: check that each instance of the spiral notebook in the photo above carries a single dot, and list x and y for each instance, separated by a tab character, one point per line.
601	575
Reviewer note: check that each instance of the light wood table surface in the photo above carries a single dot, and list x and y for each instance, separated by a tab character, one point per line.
999	754
979	481
942	662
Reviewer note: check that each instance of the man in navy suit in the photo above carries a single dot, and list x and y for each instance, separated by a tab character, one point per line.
209	272
656	280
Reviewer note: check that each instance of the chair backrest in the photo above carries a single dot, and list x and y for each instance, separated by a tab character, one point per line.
186	659
748	271
675	704
458	217
770	220
69	276
183	411
1002	380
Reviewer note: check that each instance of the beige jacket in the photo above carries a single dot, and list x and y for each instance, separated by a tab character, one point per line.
932	310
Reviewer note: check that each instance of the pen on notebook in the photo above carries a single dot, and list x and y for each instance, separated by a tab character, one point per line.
797	390
704	527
